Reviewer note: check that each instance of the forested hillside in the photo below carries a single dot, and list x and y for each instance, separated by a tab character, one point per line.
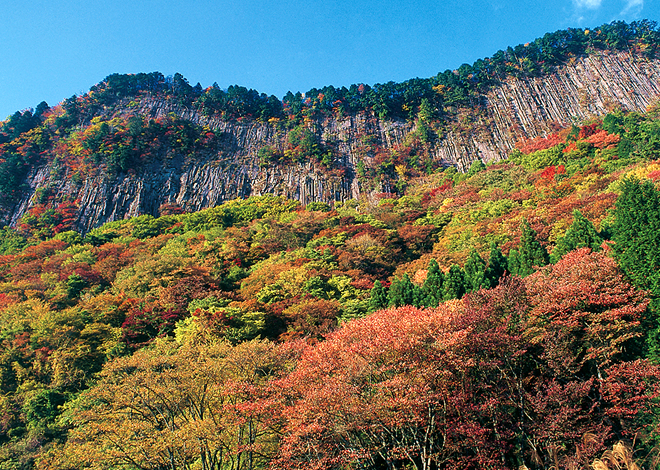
136	142
501	317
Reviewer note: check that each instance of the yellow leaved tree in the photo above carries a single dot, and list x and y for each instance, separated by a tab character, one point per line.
198	405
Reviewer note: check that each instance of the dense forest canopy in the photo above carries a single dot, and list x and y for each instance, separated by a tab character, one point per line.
505	317
501	317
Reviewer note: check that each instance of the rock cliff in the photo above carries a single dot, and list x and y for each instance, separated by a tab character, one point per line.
516	109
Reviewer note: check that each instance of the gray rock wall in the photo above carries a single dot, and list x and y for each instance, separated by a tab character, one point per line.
519	108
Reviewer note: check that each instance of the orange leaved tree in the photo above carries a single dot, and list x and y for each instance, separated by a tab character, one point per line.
504	378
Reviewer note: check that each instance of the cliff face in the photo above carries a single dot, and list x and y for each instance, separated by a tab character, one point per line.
517	109
584	88
524	108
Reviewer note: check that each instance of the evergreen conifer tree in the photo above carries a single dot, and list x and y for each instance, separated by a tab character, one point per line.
513	266
402	292
475	270
408	290
394	294
636	233
581	233
454	283
432	289
425	113
530	253
418	296
497	266
378	300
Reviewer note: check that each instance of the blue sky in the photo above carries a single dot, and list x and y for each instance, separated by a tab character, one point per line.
53	49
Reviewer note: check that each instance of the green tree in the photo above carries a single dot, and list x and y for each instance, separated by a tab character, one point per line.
424	132
454	283
11	241
513	264
403	292
378	299
317	287
497	266
425	111
636	235
613	123
432	289
42	407
475	272
476	167
74	285
581	233
319	206
530	253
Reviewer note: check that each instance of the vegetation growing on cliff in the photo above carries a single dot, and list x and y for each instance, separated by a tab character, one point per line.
420	329
105	131
505	317
448	89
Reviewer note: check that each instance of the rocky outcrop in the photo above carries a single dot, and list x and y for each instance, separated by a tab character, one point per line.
524	108
191	185
586	87
517	109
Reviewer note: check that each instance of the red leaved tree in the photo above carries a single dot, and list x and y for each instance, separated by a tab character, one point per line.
537	373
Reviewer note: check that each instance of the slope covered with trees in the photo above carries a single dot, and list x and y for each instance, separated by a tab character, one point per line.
498	318
503	317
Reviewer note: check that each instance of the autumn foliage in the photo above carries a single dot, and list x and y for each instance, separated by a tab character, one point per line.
539	143
492	381
284	317
262	333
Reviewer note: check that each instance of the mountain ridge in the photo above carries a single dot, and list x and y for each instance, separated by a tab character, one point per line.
503	317
310	151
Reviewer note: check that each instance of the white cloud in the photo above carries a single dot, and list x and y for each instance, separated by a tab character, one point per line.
633	7
593	4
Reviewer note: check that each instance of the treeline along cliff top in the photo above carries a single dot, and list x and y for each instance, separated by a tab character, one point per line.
369	306
135	142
